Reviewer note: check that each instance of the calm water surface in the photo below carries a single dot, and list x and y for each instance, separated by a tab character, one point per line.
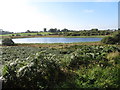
54	40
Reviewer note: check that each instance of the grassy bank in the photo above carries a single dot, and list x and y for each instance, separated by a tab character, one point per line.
57	45
62	45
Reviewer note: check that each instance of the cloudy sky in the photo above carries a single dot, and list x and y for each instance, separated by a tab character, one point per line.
34	15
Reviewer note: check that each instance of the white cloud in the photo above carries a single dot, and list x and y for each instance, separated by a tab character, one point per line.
88	11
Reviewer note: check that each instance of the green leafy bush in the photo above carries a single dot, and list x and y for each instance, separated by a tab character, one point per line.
108	40
98	77
38	72
117	38
69	67
7	42
112	40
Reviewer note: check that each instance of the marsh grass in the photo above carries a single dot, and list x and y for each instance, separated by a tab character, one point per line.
113	55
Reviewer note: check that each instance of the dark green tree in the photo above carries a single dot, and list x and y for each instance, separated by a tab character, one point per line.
65	30
53	30
45	30
28	31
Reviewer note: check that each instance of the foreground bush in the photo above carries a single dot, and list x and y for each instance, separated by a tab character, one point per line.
70	67
38	72
95	77
7	42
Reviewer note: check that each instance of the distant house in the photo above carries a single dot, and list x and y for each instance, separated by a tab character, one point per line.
4	32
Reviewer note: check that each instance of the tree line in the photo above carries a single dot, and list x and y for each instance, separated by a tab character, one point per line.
67	32
92	32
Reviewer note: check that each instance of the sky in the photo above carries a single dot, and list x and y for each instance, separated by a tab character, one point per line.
34	15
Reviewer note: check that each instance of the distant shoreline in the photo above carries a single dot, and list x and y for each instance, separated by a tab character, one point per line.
101	36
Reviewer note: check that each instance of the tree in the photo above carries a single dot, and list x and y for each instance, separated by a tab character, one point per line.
65	30
58	30
45	30
95	29
53	30
28	31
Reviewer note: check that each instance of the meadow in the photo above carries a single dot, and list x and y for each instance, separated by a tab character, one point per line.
27	34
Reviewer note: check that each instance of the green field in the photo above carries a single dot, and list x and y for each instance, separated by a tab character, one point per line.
76	66
26	34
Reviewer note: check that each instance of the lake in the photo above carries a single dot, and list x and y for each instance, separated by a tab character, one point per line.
54	40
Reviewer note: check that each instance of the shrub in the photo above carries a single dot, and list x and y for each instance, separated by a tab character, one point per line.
18	35
112	40
108	40
117	38
7	42
38	72
29	35
98	77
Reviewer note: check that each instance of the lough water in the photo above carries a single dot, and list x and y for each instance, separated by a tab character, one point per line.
54	40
